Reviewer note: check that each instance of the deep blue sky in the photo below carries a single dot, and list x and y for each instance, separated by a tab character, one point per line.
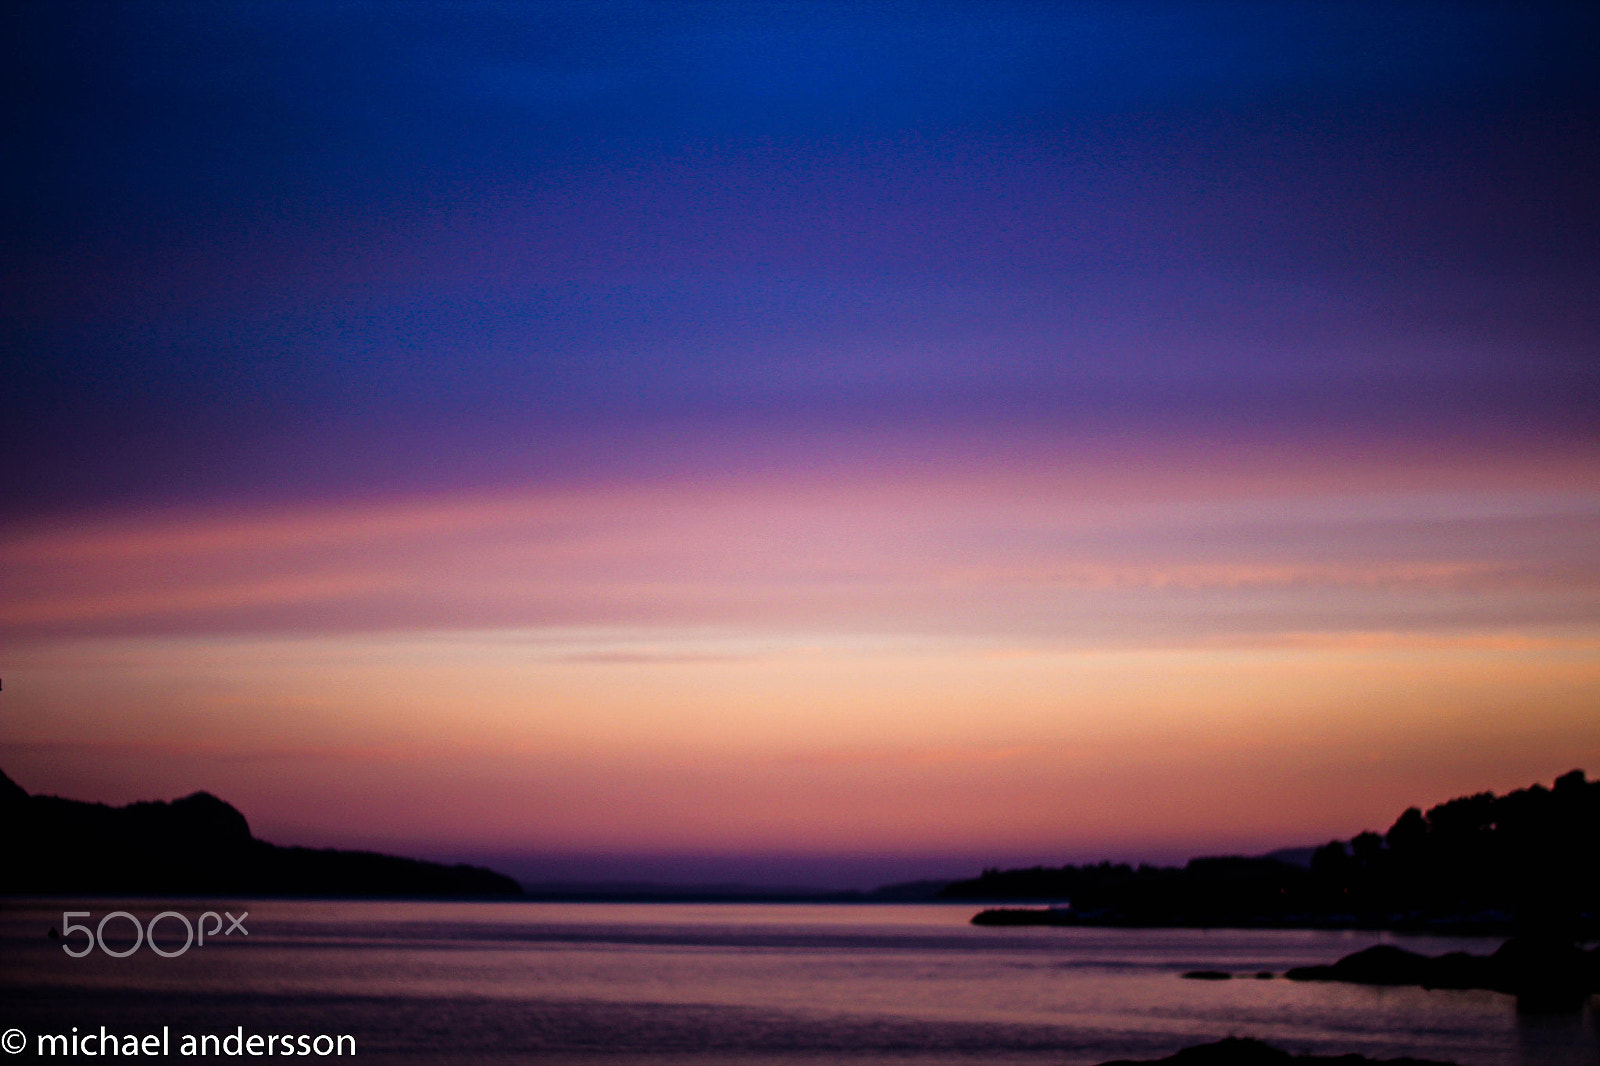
857	438
279	249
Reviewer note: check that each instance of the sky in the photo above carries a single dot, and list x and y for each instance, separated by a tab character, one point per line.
813	443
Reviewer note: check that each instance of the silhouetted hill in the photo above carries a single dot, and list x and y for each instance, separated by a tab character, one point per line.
1528	860
197	845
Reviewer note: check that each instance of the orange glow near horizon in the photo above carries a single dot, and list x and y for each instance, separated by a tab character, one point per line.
939	661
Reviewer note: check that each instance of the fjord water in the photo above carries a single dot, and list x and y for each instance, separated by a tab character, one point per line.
738	984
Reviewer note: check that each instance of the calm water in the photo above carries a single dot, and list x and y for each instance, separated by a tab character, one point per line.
739	984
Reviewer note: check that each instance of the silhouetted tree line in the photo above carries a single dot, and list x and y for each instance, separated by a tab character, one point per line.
1534	853
1529	859
197	845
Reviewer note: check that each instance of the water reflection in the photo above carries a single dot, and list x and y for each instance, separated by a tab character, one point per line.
1559	1038
917	985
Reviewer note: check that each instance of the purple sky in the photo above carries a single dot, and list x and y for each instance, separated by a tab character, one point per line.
766	326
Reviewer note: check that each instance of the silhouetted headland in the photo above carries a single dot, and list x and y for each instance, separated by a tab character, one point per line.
198	845
1236	1051
1526	863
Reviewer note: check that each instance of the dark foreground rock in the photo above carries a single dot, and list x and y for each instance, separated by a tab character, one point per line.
1235	1051
1544	973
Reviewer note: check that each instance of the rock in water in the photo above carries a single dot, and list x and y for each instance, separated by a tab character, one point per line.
1242	1051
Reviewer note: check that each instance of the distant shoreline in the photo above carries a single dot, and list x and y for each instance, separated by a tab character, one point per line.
1480	865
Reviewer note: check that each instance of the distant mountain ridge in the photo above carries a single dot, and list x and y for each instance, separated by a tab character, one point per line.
198	845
